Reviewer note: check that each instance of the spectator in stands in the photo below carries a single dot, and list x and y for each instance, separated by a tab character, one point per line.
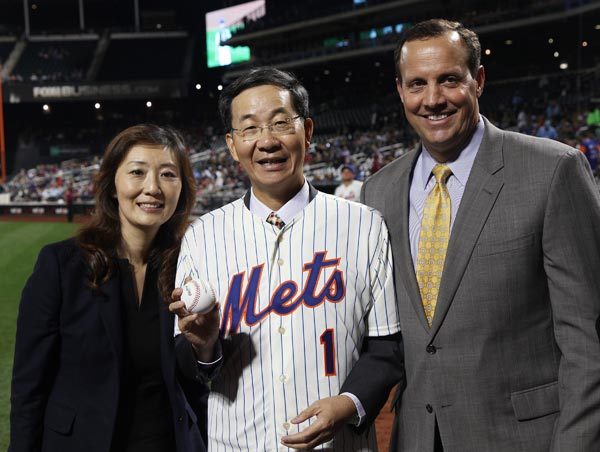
376	163
349	188
552	110
547	131
52	192
87	192
523	121
69	199
497	237
590	146
96	366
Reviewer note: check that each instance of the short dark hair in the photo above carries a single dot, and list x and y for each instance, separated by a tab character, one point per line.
350	168
263	76
433	28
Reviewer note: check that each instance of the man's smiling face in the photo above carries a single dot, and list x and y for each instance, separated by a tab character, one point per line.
274	164
439	93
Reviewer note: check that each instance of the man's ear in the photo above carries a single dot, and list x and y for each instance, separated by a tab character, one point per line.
231	146
309	127
480	79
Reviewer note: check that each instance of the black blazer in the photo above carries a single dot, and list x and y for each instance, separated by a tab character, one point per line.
68	363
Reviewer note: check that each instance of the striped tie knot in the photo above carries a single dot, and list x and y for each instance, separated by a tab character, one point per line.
274	219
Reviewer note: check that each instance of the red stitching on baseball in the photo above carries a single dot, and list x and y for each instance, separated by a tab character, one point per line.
196	297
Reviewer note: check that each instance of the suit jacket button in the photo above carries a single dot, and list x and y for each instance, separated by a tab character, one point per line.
429	408
431	349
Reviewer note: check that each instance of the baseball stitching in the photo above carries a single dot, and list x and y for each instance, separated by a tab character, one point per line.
196	297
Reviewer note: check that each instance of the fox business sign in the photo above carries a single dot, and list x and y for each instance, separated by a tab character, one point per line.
67	91
18	93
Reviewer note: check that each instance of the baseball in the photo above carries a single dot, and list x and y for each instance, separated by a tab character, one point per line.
198	296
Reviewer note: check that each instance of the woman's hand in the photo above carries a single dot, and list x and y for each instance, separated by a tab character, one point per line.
200	330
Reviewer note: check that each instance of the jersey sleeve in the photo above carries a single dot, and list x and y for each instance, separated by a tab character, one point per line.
188	263
383	318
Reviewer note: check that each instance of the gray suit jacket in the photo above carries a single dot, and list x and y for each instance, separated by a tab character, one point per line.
512	360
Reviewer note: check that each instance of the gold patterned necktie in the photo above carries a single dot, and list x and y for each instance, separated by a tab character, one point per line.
274	219
433	240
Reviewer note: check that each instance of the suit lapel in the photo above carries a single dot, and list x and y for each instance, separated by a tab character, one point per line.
484	185
109	302
397	207
167	327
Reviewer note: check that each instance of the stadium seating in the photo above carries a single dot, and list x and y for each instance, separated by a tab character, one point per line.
357	113
221	180
475	13
143	59
64	61
5	49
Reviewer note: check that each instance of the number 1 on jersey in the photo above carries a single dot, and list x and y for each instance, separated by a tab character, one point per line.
329	351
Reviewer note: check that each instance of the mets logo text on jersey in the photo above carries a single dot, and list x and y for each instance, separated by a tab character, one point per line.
283	300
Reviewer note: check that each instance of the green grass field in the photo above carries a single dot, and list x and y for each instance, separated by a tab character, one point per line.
19	245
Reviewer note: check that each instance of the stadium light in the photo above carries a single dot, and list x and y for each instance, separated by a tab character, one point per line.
556	54
148	104
508	42
220	87
46	108
550	40
198	86
597	27
584	44
488	52
97	105
564	66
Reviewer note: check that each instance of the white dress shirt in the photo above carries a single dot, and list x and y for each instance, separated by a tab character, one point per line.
422	183
288	211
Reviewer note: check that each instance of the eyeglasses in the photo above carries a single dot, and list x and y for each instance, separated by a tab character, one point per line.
277	128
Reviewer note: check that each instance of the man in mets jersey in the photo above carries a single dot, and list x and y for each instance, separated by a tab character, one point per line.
304	282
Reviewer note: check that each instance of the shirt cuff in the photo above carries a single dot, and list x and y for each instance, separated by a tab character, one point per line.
209	368
359	409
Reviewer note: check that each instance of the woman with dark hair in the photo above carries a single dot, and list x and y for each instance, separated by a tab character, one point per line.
96	365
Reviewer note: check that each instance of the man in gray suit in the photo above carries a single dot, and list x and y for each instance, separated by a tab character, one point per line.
496	267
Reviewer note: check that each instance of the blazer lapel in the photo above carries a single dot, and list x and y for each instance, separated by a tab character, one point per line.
397	205
167	328
109	301
484	185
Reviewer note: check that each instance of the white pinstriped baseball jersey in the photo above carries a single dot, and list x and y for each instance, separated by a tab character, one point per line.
296	305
